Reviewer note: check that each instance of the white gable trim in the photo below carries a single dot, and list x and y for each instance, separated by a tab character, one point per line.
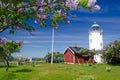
70	50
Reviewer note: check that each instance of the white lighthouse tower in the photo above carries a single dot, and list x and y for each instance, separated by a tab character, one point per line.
96	41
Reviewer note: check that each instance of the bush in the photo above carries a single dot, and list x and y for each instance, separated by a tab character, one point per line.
111	53
108	69
57	57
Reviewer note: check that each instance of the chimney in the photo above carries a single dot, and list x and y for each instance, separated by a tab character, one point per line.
75	45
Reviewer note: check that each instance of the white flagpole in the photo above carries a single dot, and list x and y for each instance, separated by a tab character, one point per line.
52	45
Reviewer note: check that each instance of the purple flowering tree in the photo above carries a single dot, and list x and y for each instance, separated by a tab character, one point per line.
7	48
14	14
111	52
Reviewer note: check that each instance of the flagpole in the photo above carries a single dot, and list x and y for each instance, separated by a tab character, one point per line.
52	45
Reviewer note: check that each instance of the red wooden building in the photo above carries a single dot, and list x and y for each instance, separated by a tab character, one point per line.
71	56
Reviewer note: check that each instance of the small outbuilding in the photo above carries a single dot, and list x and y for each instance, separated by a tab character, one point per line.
72	56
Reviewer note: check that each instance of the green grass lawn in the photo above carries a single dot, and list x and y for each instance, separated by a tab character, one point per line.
61	71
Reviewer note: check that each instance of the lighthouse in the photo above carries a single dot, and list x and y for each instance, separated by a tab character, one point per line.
95	37
96	41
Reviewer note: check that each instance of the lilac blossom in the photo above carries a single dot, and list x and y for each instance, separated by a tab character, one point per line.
34	8
97	7
68	22
18	27
92	6
3	40
20	10
44	13
59	12
72	4
48	1
36	21
41	16
40	2
20	43
91	3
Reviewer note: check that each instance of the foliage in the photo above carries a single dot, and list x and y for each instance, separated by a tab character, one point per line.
57	57
7	48
86	51
15	14
83	51
111	52
108	69
1	59
37	59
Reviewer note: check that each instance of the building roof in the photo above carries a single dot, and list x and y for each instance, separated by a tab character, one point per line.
95	27
74	50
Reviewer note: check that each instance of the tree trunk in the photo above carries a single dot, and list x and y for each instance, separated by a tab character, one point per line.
7	63
7	66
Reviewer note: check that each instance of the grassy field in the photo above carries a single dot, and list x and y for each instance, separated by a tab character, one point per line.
61	71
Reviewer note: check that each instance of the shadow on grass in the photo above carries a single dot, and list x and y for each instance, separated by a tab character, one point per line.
11	66
23	70
114	64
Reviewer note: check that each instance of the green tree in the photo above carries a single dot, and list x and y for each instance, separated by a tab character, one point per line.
58	57
111	52
37	59
15	14
83	51
7	48
48	57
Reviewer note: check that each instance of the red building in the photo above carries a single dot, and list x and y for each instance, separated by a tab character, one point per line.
71	56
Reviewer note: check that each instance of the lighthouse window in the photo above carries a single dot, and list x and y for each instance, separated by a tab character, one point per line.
91	40
101	44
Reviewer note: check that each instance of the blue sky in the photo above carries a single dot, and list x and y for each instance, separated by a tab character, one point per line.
38	43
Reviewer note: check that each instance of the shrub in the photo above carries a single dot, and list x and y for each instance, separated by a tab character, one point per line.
108	69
